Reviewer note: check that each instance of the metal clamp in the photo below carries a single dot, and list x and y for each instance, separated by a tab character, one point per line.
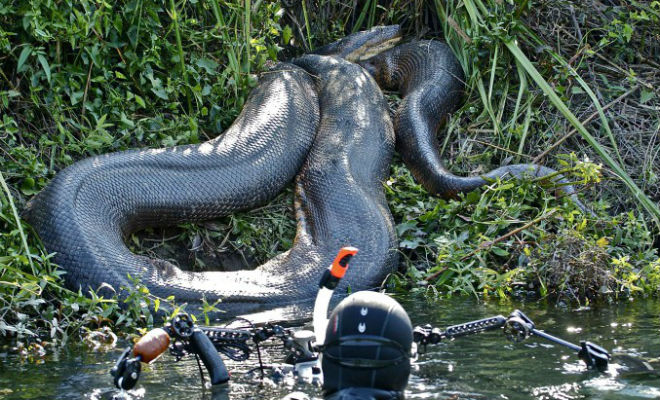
126	371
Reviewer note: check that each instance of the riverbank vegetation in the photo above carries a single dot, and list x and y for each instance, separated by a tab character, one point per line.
575	86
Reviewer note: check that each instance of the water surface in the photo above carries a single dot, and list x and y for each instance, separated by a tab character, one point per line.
484	366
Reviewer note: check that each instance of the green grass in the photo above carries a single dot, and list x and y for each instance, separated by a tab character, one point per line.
84	78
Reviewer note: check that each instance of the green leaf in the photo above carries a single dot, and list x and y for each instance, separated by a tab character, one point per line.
140	101
505	186
27	50
44	64
28	187
411	243
160	92
76	97
646	95
444	277
125	121
627	32
287	34
500	252
405	227
209	65
577	90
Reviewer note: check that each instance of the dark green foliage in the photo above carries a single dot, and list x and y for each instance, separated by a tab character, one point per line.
474	245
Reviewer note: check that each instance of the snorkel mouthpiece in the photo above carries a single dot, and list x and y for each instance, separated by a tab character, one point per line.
337	269
327	285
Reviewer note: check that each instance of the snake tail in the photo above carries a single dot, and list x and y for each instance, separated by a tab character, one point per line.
430	79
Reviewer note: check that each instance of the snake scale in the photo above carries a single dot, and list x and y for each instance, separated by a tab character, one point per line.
320	119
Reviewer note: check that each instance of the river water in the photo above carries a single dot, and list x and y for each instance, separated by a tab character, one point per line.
484	366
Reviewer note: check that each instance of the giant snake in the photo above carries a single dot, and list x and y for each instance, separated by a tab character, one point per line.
321	119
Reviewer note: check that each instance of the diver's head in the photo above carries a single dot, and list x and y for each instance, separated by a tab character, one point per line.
367	344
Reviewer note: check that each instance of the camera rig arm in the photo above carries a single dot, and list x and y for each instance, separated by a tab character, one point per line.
182	337
516	327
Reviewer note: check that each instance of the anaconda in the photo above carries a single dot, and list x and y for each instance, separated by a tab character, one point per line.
322	118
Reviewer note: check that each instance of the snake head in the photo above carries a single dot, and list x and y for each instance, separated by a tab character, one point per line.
362	45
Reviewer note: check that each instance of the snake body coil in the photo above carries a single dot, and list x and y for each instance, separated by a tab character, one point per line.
89	208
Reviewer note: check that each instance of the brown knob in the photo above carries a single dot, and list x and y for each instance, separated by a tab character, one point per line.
151	345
